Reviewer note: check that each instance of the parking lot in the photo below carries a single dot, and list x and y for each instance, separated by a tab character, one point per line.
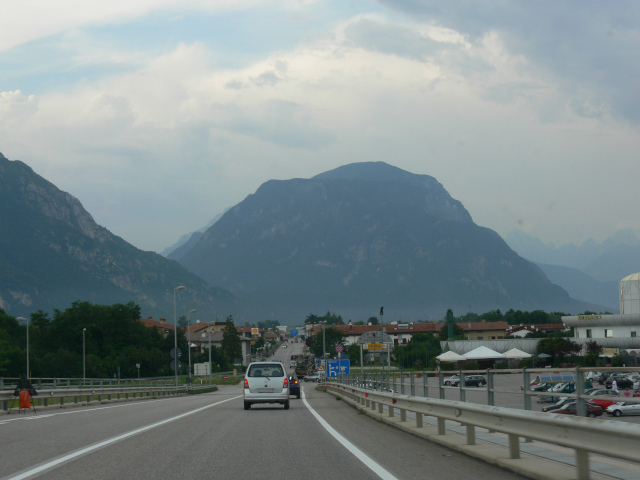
507	392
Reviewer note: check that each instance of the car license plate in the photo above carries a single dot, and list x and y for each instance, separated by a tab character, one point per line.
265	390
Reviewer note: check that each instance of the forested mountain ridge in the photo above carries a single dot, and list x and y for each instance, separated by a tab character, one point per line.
53	253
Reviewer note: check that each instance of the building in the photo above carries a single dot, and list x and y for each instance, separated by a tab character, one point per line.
612	331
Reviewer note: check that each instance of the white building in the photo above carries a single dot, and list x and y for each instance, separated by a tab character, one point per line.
612	331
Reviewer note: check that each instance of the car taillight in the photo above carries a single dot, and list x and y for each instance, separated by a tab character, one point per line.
294	382
286	383
246	383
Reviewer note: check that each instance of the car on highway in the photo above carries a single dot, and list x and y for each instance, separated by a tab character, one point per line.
623	408
570	408
294	385
470	381
266	382
312	377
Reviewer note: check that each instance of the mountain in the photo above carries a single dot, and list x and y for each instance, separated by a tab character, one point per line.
361	236
53	253
583	287
186	241
609	261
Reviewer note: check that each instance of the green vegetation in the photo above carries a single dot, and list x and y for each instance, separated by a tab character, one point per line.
115	342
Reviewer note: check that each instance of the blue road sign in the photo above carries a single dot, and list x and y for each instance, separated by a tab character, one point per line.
294	332
337	367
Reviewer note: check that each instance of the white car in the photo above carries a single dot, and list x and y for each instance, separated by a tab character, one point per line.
623	408
453	379
266	382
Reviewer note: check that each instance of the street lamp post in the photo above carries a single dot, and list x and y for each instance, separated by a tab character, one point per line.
84	363
175	331
26	320
189	337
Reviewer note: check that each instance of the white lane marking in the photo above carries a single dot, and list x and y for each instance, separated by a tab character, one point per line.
83	451
41	416
374	466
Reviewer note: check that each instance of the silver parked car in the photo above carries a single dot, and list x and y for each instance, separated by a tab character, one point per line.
623	408
266	382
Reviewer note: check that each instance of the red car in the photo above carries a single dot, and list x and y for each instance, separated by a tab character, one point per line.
593	410
605	393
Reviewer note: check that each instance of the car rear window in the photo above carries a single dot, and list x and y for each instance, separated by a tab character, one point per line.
266	370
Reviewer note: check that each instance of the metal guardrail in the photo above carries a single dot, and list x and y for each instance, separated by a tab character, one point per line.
582	435
76	395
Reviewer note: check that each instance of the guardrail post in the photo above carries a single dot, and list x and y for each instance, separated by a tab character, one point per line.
425	382
418	420
514	446
392	411
471	434
403	414
526	380
380	407
441	427
582	464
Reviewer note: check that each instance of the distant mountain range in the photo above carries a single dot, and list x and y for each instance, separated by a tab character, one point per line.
361	236
590	271
52	253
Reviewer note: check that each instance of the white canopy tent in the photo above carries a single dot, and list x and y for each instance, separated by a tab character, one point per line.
450	357
483	353
515	354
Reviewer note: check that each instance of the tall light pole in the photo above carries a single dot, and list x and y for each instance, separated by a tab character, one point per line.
20	319
175	331
188	337
84	363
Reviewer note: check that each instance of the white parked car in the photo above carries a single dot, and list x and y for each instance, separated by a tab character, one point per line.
266	382
452	380
623	408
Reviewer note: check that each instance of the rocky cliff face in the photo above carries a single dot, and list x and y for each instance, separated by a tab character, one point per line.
361	236
52	253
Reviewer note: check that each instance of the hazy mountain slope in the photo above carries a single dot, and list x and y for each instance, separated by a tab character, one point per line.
53	253
581	286
362	236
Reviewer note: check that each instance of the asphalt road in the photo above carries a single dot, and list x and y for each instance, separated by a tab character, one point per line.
211	435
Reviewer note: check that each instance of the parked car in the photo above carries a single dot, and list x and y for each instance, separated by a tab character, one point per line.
542	387
592	375
621	381
450	380
606	393
561	403
623	408
570	408
470	381
266	382
294	385
312	377
605	375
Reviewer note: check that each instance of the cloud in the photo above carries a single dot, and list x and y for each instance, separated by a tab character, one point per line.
16	104
586	48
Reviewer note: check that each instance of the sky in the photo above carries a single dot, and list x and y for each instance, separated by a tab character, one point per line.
160	114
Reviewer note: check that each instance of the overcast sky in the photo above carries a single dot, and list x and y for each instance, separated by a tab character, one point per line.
159	114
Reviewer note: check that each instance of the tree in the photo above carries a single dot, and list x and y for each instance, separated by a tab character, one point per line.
373	320
458	333
332	337
591	347
231	341
558	347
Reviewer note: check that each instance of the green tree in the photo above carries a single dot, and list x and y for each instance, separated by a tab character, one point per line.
231	340
332	337
558	347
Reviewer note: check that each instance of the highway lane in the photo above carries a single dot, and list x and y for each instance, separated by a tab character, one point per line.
208	435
